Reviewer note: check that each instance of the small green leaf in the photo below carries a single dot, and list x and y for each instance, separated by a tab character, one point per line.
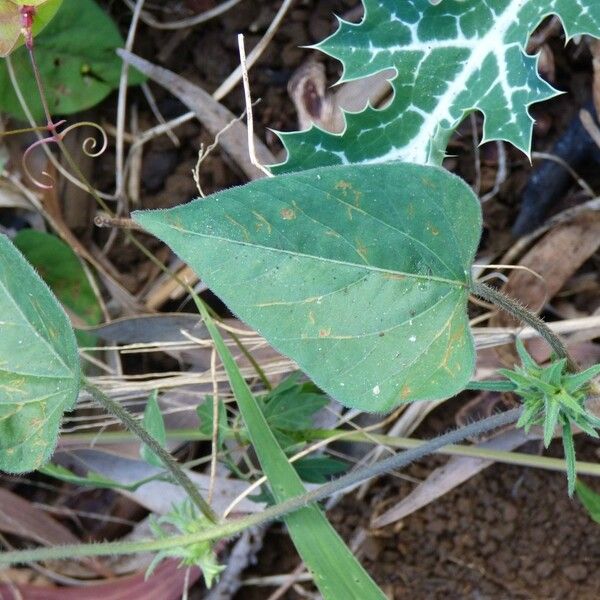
550	419
589	499
319	469
584	424
525	357
577	380
569	448
60	268
521	378
155	426
569	402
347	270
77	61
91	479
186	519
39	365
205	414
553	373
292	408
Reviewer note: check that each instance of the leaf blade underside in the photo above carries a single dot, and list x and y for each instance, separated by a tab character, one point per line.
353	272
39	365
451	58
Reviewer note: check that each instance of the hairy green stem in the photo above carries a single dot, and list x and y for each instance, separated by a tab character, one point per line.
170	463
512	307
502	385
235	526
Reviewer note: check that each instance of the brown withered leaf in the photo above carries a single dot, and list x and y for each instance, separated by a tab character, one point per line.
20	517
318	105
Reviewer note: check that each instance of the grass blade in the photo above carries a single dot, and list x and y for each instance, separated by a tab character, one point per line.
336	571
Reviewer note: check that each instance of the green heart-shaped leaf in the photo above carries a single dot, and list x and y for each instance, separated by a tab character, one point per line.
359	273
39	365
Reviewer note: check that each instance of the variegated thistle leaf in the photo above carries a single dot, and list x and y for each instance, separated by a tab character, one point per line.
451	58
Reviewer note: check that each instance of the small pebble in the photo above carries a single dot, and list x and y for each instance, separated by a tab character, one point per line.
575	572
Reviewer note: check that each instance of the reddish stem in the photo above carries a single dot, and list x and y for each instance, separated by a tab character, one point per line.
27	12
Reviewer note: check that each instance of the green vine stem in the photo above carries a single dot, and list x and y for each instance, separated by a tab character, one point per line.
235	526
170	463
512	307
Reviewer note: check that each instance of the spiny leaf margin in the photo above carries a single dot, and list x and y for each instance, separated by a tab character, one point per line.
451	59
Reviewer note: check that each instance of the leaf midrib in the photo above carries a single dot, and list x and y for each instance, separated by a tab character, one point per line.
366	267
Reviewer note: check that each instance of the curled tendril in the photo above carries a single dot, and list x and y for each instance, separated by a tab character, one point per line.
27	170
88	146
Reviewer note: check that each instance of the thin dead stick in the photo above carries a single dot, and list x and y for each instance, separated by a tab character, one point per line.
104	220
213	115
256	52
476	154
229	83
215	427
121	113
134	176
567	167
207	15
204	152
157	114
249	116
501	173
590	125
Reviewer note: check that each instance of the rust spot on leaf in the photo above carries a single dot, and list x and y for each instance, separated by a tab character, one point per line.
324	332
455	338
362	250
176	223
287	214
405	392
261	222
394	276
245	232
343	185
428	183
